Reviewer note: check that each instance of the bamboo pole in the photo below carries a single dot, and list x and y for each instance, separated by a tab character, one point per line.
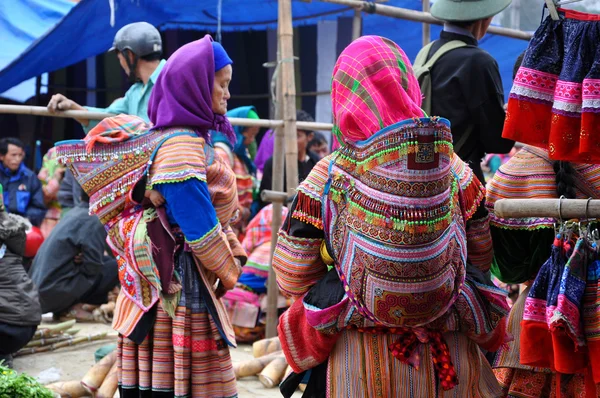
419	16
254	366
52	330
277	182
43	111
274	196
426	26
288	99
66	343
551	208
48	341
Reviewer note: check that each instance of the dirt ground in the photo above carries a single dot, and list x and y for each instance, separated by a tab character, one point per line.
74	362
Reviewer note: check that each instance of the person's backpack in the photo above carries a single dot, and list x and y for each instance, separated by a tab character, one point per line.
422	69
394	226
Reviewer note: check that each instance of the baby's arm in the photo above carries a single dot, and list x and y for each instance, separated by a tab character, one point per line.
155	197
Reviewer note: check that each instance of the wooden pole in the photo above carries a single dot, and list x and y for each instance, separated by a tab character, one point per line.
419	16
426	26
277	183
274	196
566	209
357	24
288	99
43	111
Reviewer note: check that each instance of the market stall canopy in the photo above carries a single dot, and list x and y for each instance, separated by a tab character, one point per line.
22	22
89	28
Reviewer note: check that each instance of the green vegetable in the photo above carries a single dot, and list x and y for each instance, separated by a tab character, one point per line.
14	385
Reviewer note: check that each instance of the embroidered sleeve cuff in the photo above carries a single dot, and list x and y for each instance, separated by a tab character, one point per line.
297	263
214	253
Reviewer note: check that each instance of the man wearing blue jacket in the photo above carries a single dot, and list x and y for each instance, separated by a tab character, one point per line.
22	189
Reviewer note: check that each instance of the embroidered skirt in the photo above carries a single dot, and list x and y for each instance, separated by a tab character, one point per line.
362	365
555	99
181	357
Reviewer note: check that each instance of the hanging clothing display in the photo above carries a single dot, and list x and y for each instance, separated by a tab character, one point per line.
555	100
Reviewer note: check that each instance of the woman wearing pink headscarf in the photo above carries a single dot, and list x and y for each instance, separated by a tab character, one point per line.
374	249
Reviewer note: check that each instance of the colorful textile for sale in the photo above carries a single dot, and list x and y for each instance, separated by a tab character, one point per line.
555	100
522	245
552	320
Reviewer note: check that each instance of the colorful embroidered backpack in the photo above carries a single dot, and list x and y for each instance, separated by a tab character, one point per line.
111	165
394	223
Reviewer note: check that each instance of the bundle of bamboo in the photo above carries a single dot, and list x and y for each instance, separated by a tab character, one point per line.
269	363
52	337
101	381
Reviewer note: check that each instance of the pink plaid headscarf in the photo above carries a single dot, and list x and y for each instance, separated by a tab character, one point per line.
373	87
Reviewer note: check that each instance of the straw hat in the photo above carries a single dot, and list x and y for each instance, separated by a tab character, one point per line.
467	10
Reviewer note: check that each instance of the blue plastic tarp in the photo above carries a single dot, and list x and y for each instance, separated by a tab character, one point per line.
22	22
89	28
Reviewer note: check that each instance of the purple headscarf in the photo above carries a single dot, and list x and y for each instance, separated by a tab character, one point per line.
182	94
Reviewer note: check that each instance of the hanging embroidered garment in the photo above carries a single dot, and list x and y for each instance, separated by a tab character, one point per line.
552	328
555	99
591	317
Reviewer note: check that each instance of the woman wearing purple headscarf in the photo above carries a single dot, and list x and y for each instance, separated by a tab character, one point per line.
179	348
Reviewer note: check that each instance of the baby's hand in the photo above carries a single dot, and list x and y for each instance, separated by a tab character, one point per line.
155	197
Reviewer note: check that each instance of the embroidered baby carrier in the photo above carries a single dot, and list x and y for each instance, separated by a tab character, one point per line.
112	166
394	223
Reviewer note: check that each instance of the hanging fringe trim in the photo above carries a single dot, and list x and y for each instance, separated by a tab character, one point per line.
347	159
308	210
473	193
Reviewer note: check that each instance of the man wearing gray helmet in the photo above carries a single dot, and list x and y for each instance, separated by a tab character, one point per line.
139	49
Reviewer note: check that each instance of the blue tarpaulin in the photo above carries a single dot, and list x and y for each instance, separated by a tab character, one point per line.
22	22
89	28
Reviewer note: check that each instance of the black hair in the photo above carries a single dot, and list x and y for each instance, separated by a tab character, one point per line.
303	116
565	179
463	24
518	63
5	142
85	197
318	139
157	56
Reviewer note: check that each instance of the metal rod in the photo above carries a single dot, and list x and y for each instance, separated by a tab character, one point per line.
357	24
549	208
426	26
43	111
419	16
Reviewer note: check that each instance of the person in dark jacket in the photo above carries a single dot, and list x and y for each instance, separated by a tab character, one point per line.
23	193
20	311
466	84
306	160
71	267
69	193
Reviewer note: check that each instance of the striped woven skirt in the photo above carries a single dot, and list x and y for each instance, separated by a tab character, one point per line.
181	357
362	366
